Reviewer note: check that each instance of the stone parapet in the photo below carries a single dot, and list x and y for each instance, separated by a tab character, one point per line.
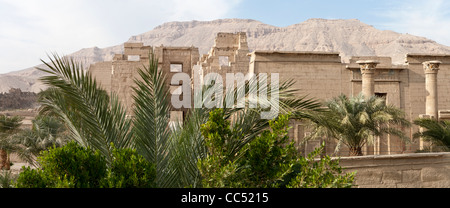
294	56
419	58
416	170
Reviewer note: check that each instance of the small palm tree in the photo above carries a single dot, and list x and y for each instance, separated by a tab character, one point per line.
7	179
9	125
437	132
356	121
46	132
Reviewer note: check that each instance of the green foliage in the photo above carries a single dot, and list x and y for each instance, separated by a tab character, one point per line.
217	170
46	132
82	166
219	173
216	132
319	173
436	132
269	161
7	179
74	166
130	170
94	119
356	121
151	109
270	156
32	178
9	126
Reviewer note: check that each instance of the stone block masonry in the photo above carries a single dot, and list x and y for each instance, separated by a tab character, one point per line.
420	170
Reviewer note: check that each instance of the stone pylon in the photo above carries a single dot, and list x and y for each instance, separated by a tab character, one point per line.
431	69
368	77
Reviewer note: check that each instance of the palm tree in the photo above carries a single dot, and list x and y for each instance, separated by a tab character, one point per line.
46	132
356	121
8	126
99	121
93	118
437	132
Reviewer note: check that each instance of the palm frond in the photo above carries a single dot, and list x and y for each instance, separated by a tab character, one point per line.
356	121
151	117
435	131
247	123
86	109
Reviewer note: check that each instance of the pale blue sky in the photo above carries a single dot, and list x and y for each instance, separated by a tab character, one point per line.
30	29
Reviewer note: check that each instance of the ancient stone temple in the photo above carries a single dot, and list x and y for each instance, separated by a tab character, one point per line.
118	75
420	86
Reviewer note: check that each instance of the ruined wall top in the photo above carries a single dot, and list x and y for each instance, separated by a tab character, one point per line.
133	52
295	56
231	40
384	62
418	58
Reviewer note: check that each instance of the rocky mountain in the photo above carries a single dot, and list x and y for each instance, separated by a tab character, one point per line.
348	37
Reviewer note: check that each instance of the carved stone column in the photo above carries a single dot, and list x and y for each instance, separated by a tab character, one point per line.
431	69
368	80
368	90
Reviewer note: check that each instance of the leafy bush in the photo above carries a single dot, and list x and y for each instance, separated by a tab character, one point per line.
32	178
319	173
73	162
69	166
130	170
217	170
270	156
73	166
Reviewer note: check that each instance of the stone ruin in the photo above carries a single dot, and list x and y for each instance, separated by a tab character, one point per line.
420	86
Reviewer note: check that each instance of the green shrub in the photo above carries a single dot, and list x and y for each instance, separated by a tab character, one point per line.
270	156
216	169
312	172
73	166
130	170
32	178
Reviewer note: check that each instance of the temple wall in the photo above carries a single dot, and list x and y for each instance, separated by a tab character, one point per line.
423	170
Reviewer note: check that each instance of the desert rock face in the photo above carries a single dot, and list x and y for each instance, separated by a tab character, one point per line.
348	37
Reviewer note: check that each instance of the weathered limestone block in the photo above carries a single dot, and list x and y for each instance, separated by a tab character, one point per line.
391	177
368	177
416	184
436	174
411	176
437	184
